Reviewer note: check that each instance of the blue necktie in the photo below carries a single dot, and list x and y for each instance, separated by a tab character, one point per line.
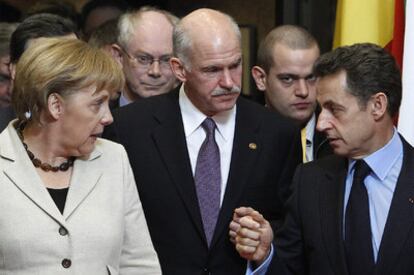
208	179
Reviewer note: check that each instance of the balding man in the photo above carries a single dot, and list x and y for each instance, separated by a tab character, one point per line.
144	49
201	151
284	73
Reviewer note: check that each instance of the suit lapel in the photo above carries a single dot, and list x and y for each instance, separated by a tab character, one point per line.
22	173
332	188
242	159
169	139
86	174
400	217
321	146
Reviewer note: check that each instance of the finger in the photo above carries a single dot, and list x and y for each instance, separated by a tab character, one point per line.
236	217
257	217
247	242
234	226
243	249
248	211
248	233
243	211
232	234
248	222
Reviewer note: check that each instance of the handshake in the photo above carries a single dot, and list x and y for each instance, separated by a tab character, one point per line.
251	234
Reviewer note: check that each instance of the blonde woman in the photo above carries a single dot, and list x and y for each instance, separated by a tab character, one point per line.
68	200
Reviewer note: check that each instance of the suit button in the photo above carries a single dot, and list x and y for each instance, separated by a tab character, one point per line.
66	263
206	271
63	231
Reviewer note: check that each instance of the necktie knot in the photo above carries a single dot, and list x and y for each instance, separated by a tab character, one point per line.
209	126
362	170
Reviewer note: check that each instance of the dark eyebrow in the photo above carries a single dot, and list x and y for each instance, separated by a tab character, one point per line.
331	104
294	76
283	75
150	55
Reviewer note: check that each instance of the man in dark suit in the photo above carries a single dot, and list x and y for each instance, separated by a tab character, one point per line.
28	31
284	73
6	30
6	115
340	220
165	139
6	112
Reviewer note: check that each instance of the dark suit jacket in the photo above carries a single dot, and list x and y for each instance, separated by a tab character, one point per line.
114	103
6	115
321	147
152	132
311	240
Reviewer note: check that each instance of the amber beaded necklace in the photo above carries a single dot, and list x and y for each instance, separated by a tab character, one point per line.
37	162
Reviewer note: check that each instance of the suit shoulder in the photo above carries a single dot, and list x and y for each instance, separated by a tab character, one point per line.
330	163
141	106
109	147
269	119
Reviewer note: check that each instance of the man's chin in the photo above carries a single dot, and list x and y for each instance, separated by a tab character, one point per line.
149	93
302	117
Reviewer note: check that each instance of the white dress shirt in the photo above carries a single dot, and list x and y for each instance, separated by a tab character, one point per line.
310	131
195	135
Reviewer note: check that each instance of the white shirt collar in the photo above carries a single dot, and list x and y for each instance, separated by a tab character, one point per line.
123	100
193	117
310	128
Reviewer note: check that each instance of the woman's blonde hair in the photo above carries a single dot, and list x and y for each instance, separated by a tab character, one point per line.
62	66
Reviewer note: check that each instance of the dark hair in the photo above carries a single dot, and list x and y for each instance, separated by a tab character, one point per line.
9	13
105	34
58	7
369	69
36	26
294	37
6	30
94	4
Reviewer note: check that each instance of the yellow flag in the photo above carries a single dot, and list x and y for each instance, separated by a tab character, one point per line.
360	21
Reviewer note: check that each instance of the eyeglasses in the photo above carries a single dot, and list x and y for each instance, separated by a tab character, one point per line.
144	61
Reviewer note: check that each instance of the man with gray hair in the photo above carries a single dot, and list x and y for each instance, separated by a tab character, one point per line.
144	50
201	151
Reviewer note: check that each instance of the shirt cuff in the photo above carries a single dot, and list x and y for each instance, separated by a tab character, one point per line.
262	269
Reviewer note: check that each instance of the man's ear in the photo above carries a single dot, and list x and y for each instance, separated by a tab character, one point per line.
259	76
178	69
378	104
55	105
116	52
